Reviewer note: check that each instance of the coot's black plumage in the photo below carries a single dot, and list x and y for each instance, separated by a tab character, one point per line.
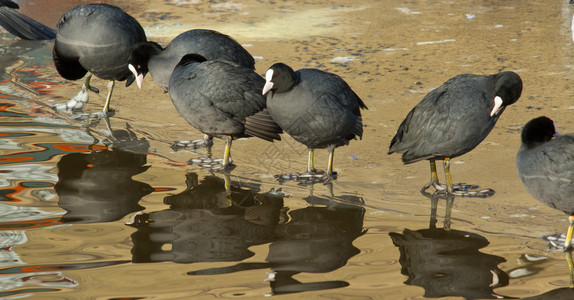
316	108
546	167
221	99
95	39
23	26
453	119
151	57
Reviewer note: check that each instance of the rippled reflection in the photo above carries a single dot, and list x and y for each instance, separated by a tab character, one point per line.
212	220
448	262
314	239
98	186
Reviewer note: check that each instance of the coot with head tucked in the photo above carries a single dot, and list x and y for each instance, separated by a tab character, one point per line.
159	62
453	119
316	108
546	167
221	99
95	39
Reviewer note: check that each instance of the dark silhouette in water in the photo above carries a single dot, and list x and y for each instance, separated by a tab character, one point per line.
448	263
98	186
314	240
213	220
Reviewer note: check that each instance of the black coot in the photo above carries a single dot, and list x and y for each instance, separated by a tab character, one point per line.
221	99
546	167
151	57
95	39
22	26
453	119
316	108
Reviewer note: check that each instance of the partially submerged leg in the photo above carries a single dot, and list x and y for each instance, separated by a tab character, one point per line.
568	242
312	175
210	163
434	178
330	174
330	164
310	163
111	85
227	154
449	188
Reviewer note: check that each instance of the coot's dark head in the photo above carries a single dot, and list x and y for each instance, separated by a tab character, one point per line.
538	131
508	87
279	78
140	54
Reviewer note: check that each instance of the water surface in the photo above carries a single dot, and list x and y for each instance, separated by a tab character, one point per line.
107	211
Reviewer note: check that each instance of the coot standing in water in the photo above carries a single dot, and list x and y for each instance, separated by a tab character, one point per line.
159	62
95	39
452	120
546	167
221	99
316	108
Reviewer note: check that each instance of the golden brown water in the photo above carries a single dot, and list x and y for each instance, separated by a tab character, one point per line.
392	53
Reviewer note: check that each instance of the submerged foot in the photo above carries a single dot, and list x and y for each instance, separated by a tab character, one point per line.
211	163
74	105
461	190
315	176
195	144
556	241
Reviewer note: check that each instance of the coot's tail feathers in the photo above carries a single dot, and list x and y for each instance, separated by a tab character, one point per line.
362	104
261	125
24	27
359	128
397	139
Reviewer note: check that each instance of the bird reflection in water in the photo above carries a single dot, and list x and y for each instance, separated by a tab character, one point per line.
448	262
98	186
315	239
213	220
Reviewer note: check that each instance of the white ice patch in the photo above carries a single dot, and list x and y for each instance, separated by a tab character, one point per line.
408	11
343	59
436	42
228	6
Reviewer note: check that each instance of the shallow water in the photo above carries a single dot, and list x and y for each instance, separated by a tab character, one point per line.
87	215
